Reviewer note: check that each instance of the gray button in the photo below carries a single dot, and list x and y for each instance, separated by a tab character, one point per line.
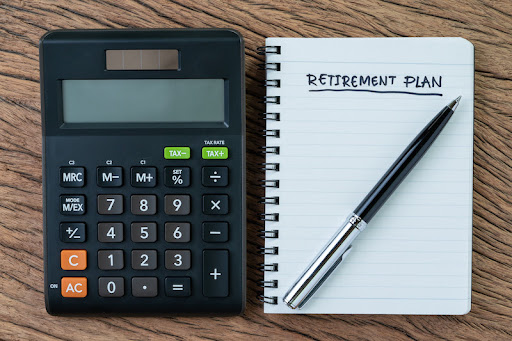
111	286
110	232
177	259
110	259
177	204
144	286
143	204
143	232
110	204
177	232
144	259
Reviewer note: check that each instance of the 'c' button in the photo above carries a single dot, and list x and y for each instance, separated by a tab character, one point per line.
73	259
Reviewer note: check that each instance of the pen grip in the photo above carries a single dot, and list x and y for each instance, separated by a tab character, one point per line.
325	262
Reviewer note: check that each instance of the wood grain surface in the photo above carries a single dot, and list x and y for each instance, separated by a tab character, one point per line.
486	23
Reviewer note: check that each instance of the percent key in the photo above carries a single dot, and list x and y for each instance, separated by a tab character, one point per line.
177	176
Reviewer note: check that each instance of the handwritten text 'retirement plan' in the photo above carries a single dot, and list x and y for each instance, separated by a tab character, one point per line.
376	84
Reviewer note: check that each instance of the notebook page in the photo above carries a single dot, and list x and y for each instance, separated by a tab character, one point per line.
335	144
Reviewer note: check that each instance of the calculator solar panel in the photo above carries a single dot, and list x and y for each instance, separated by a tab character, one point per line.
143	171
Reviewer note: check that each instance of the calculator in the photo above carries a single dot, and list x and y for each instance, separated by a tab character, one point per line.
143	171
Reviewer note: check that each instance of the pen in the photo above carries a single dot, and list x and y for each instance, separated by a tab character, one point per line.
340	245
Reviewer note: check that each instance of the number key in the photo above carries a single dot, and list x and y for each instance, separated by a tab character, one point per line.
177	204
110	232
110	204
110	259
143	232
177	259
111	286
144	259
177	232
143	204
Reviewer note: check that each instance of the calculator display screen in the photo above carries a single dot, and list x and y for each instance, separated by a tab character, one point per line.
143	100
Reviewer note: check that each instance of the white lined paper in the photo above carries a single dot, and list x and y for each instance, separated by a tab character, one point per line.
415	255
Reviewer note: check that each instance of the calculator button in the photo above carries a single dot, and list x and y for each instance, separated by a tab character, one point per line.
177	259
215	273
73	287
215	232
177	232
143	232
174	153
143	204
72	204
110	232
144	259
143	176
177	204
215	153
110	204
215	204
177	176
72	232
72	176
144	286
110	176
215	176
73	259
111	286
110	259
178	286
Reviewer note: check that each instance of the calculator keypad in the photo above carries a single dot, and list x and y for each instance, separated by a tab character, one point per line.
144	227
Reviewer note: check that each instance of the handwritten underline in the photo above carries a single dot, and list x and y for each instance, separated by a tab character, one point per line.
381	92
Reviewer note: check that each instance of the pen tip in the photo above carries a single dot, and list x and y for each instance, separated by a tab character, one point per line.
453	105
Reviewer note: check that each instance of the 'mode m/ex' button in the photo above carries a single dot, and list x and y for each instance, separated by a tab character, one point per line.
72	204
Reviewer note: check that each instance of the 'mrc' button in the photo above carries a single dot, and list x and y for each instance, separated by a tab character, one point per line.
72	204
73	286
72	176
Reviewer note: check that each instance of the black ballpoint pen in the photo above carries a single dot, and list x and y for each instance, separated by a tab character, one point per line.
340	244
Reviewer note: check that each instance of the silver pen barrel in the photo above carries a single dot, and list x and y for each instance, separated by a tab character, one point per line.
325	262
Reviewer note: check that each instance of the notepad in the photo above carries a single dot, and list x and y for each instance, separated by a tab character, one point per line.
339	112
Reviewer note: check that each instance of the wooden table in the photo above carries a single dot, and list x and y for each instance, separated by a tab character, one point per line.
487	23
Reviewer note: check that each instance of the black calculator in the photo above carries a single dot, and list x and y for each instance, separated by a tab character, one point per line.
143	171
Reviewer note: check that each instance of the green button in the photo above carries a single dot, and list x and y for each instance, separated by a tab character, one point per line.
215	153
172	153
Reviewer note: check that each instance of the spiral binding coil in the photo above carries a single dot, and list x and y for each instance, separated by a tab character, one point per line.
271	201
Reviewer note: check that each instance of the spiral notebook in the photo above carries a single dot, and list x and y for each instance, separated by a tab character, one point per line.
339	112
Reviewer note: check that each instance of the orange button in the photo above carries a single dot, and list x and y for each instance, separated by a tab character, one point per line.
73	259
73	286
